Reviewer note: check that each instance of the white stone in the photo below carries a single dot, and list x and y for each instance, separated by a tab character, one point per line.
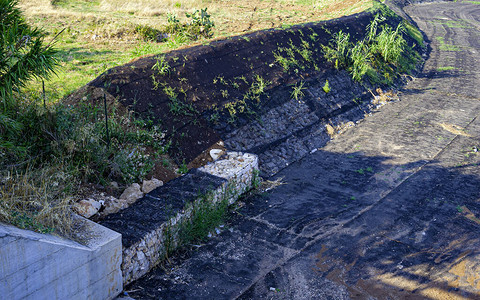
150	185
216	153
132	194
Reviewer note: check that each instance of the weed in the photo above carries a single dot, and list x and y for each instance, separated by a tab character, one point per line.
205	216
183	169
360	64
414	33
446	47
39	199
165	163
259	85
148	33
214	117
382	48
337	51
199	24
224	93
282	61
256	179
161	66
445	68
326	87
390	43
297	92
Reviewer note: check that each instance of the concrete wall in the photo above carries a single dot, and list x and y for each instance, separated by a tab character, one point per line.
43	266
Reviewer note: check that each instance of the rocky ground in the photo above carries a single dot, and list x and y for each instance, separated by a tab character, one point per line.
387	210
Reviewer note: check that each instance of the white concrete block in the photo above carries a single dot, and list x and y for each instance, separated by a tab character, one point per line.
43	266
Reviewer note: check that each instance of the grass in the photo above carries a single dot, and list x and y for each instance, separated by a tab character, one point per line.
297	92
446	47
445	68
326	87
102	34
39	199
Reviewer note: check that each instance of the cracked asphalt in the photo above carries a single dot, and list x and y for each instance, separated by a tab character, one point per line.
388	210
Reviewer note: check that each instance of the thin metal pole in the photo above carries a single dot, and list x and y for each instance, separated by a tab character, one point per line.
106	119
44	96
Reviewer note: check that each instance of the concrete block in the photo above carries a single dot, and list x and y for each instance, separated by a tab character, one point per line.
44	266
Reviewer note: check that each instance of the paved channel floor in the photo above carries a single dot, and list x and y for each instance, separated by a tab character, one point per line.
388	210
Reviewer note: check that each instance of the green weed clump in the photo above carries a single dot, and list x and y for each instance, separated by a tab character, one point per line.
379	55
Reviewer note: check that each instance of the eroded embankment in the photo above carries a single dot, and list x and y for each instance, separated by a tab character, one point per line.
261	92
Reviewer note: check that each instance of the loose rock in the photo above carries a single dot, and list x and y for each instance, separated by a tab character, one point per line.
216	153
132	194
150	185
113	205
87	208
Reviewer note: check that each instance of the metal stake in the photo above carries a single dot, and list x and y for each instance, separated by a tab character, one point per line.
106	119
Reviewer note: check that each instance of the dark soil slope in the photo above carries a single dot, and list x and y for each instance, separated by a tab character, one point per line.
201	94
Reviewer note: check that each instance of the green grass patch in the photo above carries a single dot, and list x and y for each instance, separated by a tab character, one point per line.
445	68
415	33
446	47
453	23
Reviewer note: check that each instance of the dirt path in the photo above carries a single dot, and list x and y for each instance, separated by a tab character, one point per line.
389	210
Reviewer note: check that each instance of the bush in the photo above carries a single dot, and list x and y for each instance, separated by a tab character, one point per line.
197	26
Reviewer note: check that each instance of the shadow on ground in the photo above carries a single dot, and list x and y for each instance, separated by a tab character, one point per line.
358	226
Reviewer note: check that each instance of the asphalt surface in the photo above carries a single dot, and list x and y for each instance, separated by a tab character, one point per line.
388	210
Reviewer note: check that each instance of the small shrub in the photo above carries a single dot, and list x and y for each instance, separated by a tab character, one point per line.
200	24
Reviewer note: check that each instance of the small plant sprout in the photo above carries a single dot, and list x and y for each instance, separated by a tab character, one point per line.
183	169
326	87
161	66
224	93
297	92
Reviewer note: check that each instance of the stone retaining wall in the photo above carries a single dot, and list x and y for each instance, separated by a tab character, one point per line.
234	173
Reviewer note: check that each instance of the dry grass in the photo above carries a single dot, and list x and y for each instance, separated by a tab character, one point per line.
38	200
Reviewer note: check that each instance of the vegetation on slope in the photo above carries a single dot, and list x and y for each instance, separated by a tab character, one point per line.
50	151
